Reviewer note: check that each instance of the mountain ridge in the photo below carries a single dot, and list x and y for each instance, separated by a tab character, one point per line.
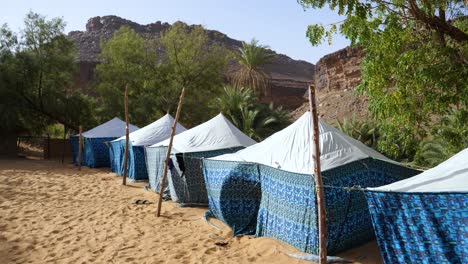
289	78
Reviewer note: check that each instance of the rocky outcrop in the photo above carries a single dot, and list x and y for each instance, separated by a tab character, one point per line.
290	78
339	70
336	77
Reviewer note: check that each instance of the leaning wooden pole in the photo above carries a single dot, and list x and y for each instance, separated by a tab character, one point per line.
168	153
322	214
124	180
80	147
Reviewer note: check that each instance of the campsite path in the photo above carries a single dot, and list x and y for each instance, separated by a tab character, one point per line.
53	213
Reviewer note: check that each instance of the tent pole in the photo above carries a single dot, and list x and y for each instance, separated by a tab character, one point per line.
64	143
124	181
80	147
168	153
322	215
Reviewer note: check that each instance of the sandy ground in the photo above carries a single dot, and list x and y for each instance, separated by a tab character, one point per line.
53	213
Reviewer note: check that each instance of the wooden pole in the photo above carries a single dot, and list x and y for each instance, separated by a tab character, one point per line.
168	153
124	181
322	215
80	147
64	143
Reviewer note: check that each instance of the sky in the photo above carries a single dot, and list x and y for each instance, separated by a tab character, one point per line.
280	24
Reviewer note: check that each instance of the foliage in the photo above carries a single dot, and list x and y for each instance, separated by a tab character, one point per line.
252	57
448	136
365	131
128	60
197	64
415	66
155	79
37	68
256	120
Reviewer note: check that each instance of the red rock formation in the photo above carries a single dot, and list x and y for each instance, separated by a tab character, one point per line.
289	78
336	76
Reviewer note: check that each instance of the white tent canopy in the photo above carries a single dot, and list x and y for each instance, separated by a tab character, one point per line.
216	133
449	176
111	128
290	148
155	132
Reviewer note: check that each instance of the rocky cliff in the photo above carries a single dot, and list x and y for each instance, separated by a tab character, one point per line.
290	78
336	76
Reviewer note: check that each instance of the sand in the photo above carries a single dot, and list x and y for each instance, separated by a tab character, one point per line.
53	213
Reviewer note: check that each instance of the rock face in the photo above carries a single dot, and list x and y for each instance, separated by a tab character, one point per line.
339	70
336	76
290	78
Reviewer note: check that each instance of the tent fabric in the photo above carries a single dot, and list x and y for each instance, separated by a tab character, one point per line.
155	158
115	156
216	133
188	185
74	142
234	193
95	152
424	217
289	149
150	134
449	176
420	227
254	198
113	128
155	132
276	177
186	182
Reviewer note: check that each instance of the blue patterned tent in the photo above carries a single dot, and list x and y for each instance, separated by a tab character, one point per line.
424	219
95	152
185	180
268	188
148	135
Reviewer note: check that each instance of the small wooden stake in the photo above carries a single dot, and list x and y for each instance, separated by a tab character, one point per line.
168	153
64	142
80	147
124	181
322	214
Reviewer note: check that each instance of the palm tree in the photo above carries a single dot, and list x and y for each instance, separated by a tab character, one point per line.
252	58
365	131
256	120
233	100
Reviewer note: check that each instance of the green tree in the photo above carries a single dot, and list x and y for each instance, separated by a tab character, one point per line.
252	57
155	71
415	66
365	131
257	120
194	62
128	60
37	69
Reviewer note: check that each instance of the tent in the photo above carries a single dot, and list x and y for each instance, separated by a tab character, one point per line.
212	138
145	136
424	219
268	188
95	152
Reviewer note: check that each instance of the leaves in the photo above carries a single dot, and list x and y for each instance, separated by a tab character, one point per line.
241	106
37	69
414	73
252	57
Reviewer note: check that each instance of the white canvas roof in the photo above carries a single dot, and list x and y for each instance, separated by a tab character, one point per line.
449	176
216	133
111	128
290	148
155	132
